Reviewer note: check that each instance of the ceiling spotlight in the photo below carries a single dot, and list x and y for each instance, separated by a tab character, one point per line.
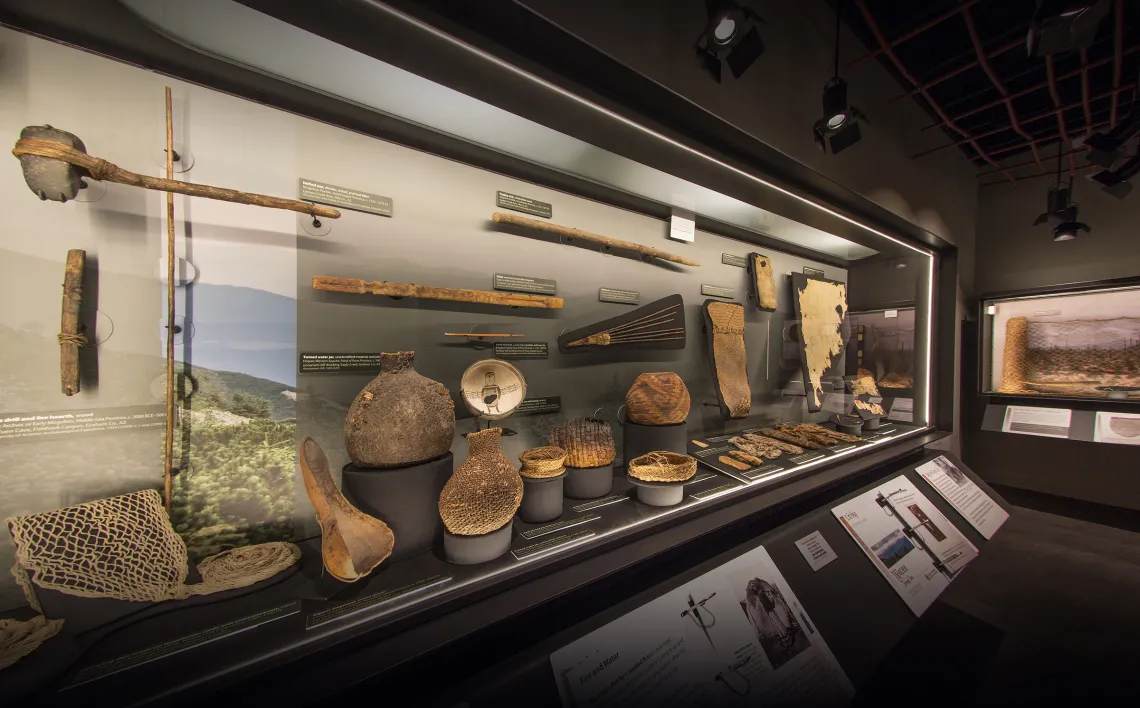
1063	25
1116	182
1105	149
1068	230
730	36
1060	207
838	129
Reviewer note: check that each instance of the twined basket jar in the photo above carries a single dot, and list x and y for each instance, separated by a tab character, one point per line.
400	418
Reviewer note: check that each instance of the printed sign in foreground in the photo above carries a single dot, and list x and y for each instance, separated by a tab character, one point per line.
354	199
967	498
738	630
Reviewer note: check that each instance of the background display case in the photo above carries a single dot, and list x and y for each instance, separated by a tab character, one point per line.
419	169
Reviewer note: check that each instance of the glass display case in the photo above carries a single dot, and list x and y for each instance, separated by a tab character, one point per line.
1078	342
509	350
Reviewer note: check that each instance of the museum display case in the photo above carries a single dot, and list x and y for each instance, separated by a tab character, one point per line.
1072	342
466	345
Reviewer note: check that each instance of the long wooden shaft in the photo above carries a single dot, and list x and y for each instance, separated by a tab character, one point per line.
428	292
168	457
503	218
479	334
105	171
69	337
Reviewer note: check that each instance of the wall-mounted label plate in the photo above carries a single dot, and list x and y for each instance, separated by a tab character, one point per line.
530	406
622	297
526	205
354	199
521	350
525	284
734	260
717	291
318	363
813	271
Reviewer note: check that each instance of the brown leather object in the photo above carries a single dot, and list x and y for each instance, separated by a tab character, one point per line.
485	492
657	399
588	442
763	281
352	542
725	322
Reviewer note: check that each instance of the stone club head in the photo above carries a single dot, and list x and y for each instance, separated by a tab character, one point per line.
47	177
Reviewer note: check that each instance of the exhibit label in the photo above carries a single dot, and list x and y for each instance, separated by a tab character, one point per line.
622	297
813	271
549	404
363	363
25	427
717	291
354	199
967	498
526	205
521	350
1030	420
815	550
551	543
733	260
525	284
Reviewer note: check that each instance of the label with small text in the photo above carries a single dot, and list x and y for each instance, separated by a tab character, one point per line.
733	260
526	205
521	350
363	363
525	284
354	199
624	297
717	291
548	404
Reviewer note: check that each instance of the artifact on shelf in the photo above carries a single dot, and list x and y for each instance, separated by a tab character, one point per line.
543	462
125	548
754	447
571	234
357	286
485	491
662	466
790	436
773	442
895	380
400	417
492	389
658	325
1079	357
352	542
474	335
821	306
747	457
55	161
763	281
847	423
588	442
724	323
823	431
18	638
657	399
864	386
868	407
734	463
71	338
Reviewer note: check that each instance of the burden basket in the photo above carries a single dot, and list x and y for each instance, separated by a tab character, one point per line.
662	466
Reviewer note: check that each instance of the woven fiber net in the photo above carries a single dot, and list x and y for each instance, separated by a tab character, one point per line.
662	467
125	547
729	357
20	638
1073	356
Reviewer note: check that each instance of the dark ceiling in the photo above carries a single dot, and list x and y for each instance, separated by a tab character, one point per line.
965	62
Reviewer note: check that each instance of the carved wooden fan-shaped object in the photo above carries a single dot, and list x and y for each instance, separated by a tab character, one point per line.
658	325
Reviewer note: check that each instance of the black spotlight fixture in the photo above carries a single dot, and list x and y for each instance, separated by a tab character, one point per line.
838	129
1117	182
730	36
1060	207
1063	25
1105	149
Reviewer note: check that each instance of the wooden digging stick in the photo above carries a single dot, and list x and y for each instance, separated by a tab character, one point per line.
105	171
168	459
428	292
501	218
70	338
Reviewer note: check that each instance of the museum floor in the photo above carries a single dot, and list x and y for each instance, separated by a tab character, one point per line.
1048	615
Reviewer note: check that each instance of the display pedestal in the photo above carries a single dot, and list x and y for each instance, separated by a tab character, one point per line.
640	439
542	499
871	423
658	493
469	550
405	498
589	482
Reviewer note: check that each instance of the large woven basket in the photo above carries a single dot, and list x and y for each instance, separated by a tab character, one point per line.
662	467
588	442
542	462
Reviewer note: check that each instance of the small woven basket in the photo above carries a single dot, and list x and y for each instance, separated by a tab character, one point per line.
542	462
662	467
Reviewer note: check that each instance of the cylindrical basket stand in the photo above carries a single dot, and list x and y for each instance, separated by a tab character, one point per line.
640	439
405	498
658	493
542	499
588	482
470	550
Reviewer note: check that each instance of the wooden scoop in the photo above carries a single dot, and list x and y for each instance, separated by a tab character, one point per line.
352	542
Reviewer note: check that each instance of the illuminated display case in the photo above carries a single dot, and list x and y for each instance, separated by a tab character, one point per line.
515	237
